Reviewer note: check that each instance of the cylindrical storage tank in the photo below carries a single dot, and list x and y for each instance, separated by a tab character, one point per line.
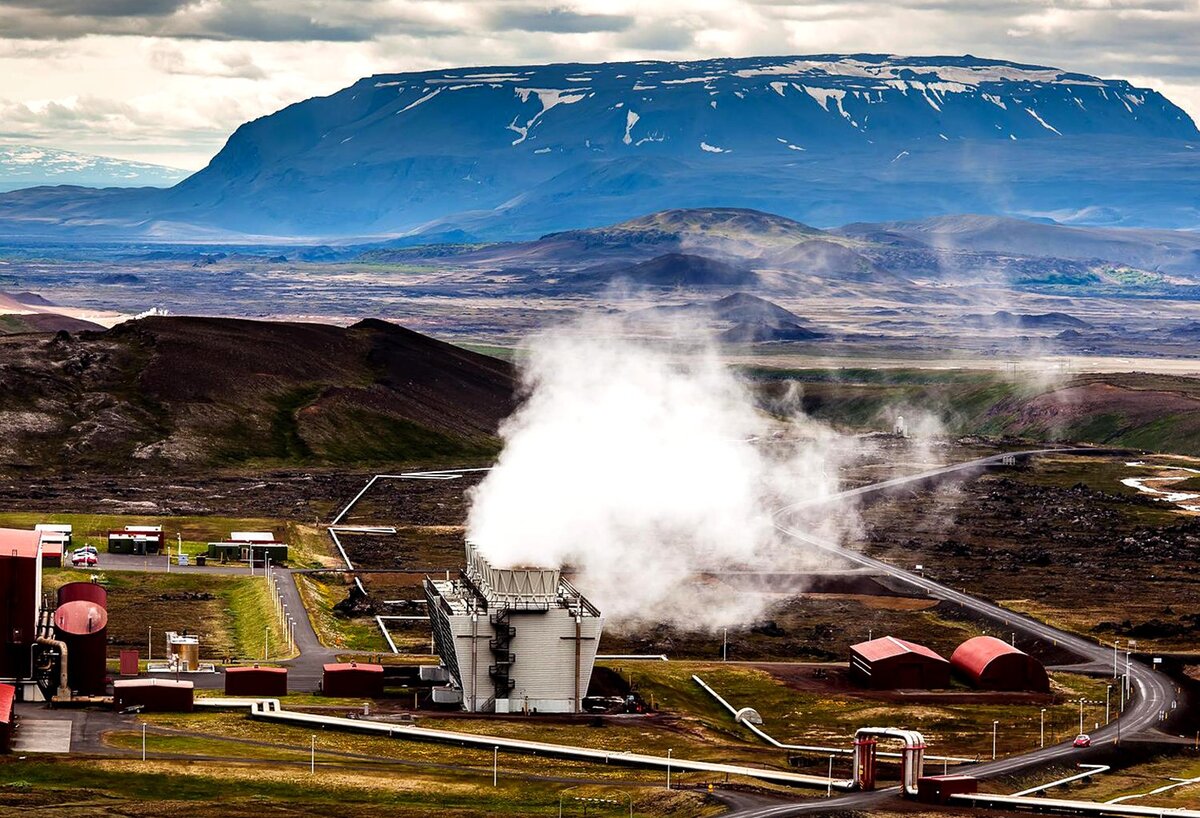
187	650
87	591
83	626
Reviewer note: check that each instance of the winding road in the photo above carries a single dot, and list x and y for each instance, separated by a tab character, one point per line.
1153	691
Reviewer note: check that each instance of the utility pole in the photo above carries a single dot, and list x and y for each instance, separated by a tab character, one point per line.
495	764
725	645
829	787
1043	731
312	758
668	769
995	724
1081	716
1107	703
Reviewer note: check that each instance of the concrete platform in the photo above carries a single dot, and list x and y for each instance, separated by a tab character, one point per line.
42	736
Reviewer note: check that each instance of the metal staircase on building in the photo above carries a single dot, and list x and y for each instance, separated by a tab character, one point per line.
500	644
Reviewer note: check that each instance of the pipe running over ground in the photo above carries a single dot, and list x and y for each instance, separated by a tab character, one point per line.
749	718
271	710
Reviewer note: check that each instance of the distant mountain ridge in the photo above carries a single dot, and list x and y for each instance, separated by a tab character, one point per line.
514	152
24	166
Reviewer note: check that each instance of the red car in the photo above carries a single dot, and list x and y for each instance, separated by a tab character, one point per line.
1083	740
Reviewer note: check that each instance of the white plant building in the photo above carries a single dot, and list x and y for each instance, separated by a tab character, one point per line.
514	640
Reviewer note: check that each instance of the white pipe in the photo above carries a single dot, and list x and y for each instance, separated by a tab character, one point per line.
383	629
270	710
357	497
1063	805
1088	771
739	716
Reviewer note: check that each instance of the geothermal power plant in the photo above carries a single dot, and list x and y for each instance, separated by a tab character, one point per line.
514	639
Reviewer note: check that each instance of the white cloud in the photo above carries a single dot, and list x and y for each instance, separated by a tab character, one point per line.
148	79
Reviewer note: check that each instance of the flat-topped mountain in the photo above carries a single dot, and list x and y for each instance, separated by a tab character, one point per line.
518	151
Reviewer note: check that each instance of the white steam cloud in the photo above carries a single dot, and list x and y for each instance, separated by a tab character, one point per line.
641	462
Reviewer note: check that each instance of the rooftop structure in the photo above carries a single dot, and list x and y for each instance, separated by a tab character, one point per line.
514	639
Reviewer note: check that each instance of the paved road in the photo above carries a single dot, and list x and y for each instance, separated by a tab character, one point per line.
306	670
1153	691
158	564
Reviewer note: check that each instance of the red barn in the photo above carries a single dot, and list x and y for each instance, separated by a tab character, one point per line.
993	664
352	680
256	681
889	663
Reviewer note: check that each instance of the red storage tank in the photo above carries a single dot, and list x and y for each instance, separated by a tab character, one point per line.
8	695
83	626
993	664
20	595
153	695
87	591
256	681
353	680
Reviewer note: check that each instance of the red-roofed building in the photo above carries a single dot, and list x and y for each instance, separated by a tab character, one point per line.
889	663
353	680
256	681
993	664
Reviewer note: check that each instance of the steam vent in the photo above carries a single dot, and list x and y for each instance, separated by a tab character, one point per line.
514	639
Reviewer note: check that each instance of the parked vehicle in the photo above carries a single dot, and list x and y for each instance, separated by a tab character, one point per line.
84	557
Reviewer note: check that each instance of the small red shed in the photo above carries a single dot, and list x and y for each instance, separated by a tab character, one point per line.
352	680
889	663
8	695
256	681
993	664
129	662
153	695
937	789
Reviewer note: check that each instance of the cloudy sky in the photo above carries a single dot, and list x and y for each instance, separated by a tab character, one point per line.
167	80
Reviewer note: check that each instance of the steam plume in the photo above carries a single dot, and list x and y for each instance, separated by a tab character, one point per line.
640	462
